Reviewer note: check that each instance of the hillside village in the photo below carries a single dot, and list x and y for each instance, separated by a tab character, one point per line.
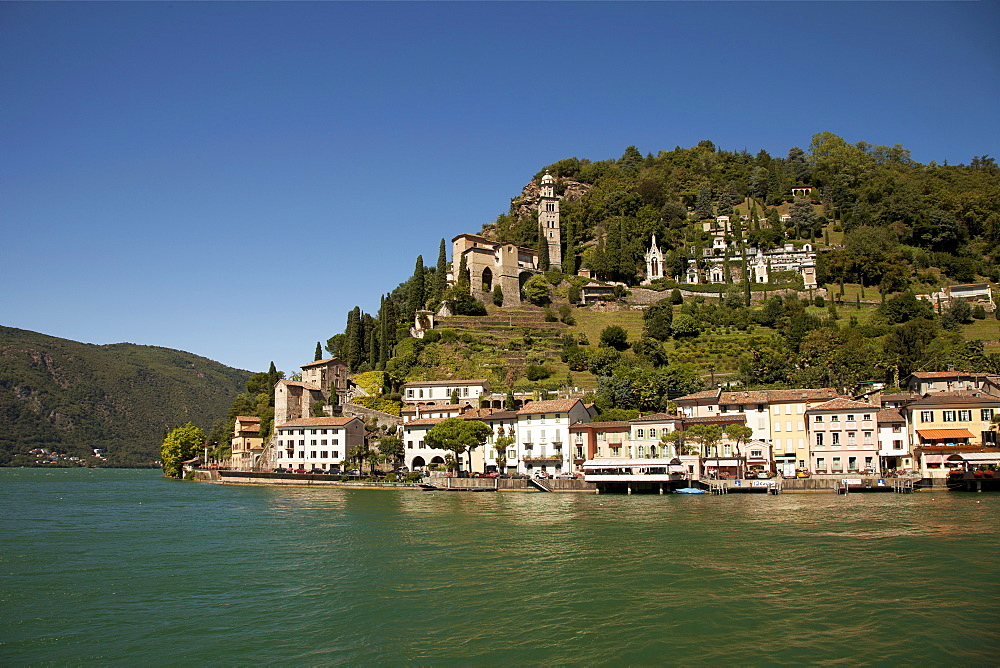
882	420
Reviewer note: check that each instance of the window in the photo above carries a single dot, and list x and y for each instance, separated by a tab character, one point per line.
868	437
868	462
949	416
527	436
335	454
985	414
302	442
512	454
896	429
777	410
834	418
927	416
852	438
639	433
323	441
312	454
821	465
335	441
788	409
852	463
711	408
818	418
409	445
615	450
819	439
837	466
777	426
756	453
866	417
652	432
324	454
965	416
835	440
788	426
312	442
897	445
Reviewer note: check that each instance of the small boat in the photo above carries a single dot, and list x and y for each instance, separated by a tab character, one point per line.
689	490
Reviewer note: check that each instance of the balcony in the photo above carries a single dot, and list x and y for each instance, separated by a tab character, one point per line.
540	459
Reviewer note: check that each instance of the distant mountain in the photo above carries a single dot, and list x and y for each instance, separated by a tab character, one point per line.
71	397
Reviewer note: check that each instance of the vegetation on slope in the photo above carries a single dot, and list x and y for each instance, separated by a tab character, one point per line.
73	397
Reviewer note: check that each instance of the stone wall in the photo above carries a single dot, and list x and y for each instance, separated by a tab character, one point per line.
367	414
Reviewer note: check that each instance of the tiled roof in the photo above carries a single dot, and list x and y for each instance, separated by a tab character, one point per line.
802	394
445	383
712	419
253	426
841	404
748	397
424	422
945	374
707	394
318	422
888	415
954	398
247	418
299	383
600	425
656	417
551	406
320	362
489	414
899	397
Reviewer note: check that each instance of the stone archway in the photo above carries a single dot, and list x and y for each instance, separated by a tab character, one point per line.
418	462
487	280
437	460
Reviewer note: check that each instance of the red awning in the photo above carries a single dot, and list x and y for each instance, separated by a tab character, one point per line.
943	434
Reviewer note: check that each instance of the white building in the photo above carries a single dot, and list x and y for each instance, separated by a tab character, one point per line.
438	392
317	443
543	441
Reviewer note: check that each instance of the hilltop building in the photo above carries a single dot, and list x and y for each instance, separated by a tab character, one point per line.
548	219
491	263
323	381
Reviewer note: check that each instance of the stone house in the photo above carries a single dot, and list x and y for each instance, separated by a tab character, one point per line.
439	392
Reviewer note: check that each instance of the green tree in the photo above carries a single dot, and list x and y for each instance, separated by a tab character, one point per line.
536	290
543	250
458	436
180	445
391	447
738	433
319	352
441	272
708	436
703	205
657	319
497	295
500	446
454	396
614	336
418	295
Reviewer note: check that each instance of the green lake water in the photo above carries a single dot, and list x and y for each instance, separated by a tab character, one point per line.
123	567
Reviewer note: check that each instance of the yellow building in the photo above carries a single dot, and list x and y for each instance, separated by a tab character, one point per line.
246	442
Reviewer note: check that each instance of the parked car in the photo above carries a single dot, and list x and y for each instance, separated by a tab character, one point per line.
299	471
333	470
486	475
281	470
354	472
763	475
565	476
801	473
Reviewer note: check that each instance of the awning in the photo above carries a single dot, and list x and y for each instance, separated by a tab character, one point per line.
979	457
625	462
933	459
942	434
714	461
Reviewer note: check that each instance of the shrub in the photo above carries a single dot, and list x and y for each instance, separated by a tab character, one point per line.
574	294
566	315
614	336
538	372
550	315
413	476
979	312
497	295
432	336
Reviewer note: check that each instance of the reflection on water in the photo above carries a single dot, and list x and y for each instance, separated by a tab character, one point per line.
113	566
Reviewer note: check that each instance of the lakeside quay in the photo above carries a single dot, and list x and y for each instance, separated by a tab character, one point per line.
827	484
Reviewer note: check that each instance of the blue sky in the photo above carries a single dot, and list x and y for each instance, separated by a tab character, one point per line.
231	178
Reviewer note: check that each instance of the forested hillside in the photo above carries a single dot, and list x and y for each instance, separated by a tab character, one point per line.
72	397
885	229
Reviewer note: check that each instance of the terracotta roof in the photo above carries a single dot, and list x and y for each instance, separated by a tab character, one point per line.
711	419
707	394
250	427
842	404
950	398
600	425
888	415
440	383
900	397
299	383
318	422
946	374
424	422
489	414
938	434
748	397
802	394
247	418
551	406
326	361
657	417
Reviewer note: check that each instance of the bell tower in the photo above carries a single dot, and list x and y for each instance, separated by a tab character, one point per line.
548	219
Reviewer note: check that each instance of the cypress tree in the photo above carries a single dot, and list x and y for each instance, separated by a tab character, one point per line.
417	294
462	280
569	255
319	353
543	250
703	204
441	272
354	346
